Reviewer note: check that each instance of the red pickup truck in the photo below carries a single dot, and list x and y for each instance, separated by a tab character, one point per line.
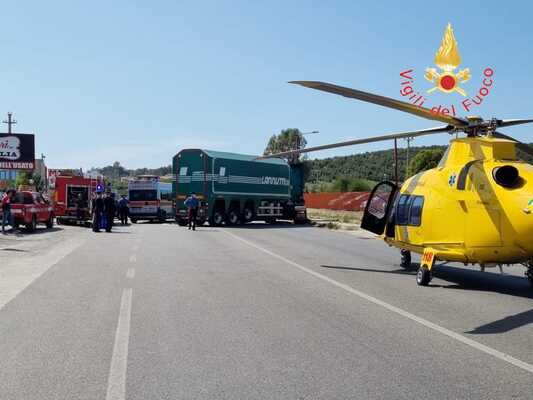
30	209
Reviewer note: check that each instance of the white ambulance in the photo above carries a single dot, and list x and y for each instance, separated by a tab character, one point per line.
150	199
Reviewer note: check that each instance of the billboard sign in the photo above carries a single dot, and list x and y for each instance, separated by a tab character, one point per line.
17	151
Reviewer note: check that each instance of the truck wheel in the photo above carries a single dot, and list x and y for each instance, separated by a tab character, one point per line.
133	220
181	222
233	217
248	214
270	220
50	222
217	219
163	217
32	225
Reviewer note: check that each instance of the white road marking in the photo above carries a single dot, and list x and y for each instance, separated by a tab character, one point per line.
460	338
116	383
133	258
130	273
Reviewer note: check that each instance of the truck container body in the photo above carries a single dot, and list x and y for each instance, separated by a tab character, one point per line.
236	188
150	199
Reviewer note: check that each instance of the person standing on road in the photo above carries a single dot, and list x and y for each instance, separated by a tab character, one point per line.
123	210
7	217
98	210
80	208
192	205
109	210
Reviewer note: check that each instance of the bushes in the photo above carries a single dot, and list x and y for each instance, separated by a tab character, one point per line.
341	184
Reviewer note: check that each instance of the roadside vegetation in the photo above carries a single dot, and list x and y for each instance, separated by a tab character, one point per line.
335	219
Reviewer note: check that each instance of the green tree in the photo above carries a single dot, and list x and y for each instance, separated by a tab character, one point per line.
23	179
350	184
38	181
286	140
114	171
424	160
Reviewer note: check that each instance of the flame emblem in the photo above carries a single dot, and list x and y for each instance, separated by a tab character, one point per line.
447	59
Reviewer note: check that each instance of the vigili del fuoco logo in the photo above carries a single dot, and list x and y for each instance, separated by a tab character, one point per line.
447	78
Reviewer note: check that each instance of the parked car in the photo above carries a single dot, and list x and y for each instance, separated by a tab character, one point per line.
30	209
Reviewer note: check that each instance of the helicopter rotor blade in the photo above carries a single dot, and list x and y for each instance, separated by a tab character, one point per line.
383	101
519	145
392	136
511	122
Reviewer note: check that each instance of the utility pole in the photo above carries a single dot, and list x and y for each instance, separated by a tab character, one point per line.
396	161
407	160
10	122
45	177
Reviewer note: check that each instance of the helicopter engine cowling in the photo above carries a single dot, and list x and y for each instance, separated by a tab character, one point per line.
506	176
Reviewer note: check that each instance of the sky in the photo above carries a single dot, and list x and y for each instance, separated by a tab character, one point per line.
137	81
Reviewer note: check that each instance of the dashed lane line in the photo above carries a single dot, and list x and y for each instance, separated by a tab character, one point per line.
428	324
133	258
130	273
116	383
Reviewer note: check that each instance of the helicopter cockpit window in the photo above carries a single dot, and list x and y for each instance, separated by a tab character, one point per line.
402	210
409	210
415	212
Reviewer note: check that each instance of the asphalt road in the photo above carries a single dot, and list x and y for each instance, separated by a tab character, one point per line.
258	312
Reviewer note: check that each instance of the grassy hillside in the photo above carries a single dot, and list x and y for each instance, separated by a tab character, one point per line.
373	166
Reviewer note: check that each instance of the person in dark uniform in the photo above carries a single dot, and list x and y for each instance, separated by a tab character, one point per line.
123	210
192	205
80	208
109	210
98	210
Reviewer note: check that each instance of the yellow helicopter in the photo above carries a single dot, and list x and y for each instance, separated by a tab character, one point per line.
475	207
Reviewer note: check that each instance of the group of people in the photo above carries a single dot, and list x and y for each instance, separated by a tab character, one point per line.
7	216
104	209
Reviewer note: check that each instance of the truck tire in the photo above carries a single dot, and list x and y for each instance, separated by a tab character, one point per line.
247	214
50	222
32	225
181	222
217	218
163	217
133	220
233	217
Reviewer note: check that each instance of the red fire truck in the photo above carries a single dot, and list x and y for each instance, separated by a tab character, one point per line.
70	191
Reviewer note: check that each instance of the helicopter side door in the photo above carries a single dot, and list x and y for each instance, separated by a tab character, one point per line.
378	207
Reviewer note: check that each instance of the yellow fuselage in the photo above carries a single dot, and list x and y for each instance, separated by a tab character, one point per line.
466	215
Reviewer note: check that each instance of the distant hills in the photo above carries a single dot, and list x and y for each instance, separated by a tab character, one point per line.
374	166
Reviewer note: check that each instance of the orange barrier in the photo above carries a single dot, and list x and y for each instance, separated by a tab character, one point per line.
348	201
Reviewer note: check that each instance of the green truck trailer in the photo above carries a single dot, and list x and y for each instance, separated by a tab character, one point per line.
237	188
